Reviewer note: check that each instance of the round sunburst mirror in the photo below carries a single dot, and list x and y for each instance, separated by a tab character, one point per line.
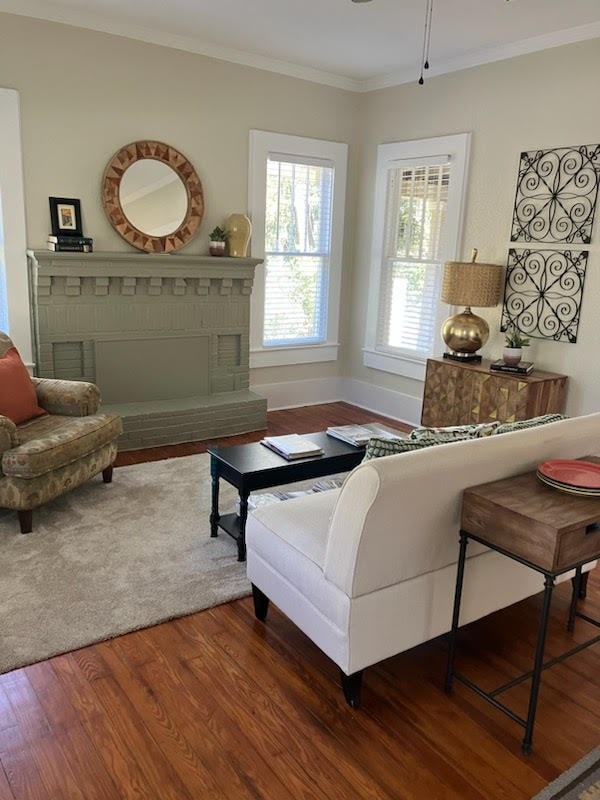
152	196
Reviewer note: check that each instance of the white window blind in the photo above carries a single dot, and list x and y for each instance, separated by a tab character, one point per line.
298	223
414	221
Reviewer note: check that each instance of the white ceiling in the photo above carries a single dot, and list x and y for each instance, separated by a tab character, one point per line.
361	46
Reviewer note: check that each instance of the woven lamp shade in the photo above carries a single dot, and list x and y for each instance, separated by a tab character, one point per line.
471	284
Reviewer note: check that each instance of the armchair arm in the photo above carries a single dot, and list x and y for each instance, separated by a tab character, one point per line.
9	437
67	398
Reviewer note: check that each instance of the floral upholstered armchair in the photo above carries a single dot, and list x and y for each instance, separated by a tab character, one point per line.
52	437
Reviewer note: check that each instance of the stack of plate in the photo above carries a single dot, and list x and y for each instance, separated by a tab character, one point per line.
575	477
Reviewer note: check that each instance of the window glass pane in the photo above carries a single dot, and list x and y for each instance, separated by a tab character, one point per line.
297	250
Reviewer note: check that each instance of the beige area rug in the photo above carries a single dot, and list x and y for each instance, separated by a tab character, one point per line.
107	559
580	782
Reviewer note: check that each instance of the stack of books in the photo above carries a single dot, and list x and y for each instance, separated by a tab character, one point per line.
359	435
292	446
522	368
72	244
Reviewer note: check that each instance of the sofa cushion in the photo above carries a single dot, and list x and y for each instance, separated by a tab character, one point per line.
534	422
376	447
50	442
454	433
18	400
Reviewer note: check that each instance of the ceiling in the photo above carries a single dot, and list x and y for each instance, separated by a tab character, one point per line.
354	45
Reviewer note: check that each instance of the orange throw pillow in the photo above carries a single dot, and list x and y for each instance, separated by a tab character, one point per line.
18	400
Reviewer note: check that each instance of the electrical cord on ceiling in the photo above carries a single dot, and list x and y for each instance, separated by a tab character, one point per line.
426	39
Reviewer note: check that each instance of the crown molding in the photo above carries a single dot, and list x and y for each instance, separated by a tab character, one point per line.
41	9
475	59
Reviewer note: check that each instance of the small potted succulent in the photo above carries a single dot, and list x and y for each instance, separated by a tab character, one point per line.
218	239
514	341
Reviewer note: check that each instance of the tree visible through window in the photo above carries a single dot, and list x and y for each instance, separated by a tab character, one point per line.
297	250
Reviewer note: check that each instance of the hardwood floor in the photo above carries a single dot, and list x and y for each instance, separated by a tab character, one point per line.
218	705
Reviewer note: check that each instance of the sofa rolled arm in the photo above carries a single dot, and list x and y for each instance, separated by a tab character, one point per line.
9	436
67	398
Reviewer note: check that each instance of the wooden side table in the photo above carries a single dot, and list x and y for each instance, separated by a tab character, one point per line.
547	530
463	394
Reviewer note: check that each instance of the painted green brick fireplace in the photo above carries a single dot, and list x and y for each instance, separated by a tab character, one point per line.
165	337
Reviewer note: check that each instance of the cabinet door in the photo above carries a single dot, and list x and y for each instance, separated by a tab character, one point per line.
503	398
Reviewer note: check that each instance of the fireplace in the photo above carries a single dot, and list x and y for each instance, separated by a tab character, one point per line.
165	337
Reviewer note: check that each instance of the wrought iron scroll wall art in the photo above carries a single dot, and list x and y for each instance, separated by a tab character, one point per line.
555	203
556	195
543	292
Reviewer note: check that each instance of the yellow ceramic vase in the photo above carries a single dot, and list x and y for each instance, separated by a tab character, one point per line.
239	229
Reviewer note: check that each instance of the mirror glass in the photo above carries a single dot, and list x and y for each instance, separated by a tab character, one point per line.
153	197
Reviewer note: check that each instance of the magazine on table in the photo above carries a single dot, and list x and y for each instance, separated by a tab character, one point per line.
292	446
359	435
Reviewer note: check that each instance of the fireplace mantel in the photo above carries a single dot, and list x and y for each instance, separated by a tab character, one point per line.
166	337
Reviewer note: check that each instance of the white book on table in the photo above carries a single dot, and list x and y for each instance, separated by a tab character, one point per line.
359	435
292	446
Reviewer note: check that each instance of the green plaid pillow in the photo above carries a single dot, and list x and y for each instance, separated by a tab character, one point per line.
454	433
376	448
534	422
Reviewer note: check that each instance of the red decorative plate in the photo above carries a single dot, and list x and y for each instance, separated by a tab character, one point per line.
579	474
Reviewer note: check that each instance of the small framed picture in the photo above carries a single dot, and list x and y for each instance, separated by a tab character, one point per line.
65	216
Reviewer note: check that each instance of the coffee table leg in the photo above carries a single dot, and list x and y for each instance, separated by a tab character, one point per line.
214	511
241	542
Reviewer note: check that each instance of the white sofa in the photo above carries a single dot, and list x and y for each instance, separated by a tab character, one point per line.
368	570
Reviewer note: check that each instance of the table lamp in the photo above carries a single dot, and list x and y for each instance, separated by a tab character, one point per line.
469	284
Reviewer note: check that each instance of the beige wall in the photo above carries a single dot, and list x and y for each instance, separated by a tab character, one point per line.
85	94
547	99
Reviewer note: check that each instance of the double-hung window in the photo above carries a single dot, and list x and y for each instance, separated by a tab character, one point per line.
419	200
297	189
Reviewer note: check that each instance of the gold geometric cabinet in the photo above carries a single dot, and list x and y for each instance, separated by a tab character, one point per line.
462	394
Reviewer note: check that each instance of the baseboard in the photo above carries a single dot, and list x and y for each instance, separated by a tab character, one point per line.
292	394
389	403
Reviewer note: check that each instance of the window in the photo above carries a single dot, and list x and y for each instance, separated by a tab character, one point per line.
419	199
297	189
14	289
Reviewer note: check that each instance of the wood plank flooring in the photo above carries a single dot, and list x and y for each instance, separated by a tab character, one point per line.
218	705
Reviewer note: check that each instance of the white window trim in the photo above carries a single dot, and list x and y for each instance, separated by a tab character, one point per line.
13	222
457	147
261	144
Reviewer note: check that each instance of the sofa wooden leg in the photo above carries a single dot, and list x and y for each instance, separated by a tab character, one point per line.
261	603
26	520
107	474
351	684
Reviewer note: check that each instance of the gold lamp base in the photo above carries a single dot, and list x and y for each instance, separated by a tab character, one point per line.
464	334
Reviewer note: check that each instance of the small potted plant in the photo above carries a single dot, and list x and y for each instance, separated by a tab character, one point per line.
218	238
514	342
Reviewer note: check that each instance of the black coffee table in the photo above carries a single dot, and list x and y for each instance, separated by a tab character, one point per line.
253	466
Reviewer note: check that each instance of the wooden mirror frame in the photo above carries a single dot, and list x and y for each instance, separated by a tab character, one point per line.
111	182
